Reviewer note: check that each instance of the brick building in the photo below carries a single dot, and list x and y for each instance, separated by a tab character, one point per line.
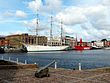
106	42
17	40
4	42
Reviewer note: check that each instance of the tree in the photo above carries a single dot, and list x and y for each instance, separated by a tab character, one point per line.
93	41
103	40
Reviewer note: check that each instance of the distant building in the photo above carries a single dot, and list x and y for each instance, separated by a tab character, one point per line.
68	40
56	41
4	42
106	42
98	44
17	40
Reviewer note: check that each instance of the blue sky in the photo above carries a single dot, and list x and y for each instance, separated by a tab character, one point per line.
88	19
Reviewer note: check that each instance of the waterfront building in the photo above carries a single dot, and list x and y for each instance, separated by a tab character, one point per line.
67	40
107	42
4	42
17	40
98	44
54	42
70	41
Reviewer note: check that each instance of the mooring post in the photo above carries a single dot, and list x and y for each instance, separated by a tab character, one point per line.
17	60
25	61
2	57
79	66
9	58
55	65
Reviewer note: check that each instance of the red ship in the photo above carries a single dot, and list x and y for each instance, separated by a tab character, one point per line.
80	46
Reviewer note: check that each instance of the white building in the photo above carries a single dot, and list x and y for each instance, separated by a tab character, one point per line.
98	44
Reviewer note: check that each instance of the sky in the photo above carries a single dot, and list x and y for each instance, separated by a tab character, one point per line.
87	19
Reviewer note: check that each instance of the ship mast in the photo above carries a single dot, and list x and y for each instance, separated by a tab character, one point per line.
51	36
61	32
76	40
37	26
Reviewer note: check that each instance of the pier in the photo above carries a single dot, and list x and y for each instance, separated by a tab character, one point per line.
56	76
15	72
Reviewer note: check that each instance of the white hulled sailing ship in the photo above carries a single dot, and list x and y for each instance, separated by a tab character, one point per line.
42	48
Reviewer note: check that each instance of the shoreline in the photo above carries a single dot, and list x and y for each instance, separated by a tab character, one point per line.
18	50
59	75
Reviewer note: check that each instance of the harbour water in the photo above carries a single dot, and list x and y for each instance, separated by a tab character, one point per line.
89	59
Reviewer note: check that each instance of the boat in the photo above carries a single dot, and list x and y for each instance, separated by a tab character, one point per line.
96	47
80	46
42	48
107	48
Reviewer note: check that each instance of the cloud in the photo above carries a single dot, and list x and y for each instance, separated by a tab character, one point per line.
31	25
90	31
35	5
90	19
45	6
94	19
106	2
71	16
20	14
68	30
8	14
17	13
77	15
52	6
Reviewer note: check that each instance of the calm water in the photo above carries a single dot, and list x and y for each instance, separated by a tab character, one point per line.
66	59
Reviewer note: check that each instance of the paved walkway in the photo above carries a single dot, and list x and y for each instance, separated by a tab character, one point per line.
56	76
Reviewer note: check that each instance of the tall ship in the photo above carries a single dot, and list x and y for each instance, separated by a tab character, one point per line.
45	48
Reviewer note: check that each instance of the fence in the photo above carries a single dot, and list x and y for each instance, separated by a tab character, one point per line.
17	60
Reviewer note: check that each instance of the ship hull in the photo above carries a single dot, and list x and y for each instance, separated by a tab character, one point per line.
96	47
107	48
82	48
39	48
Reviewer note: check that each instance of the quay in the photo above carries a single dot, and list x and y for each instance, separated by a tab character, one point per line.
59	75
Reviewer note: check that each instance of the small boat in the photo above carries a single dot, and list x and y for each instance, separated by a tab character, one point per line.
96	47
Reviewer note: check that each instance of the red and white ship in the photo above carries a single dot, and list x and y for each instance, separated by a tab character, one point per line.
80	46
